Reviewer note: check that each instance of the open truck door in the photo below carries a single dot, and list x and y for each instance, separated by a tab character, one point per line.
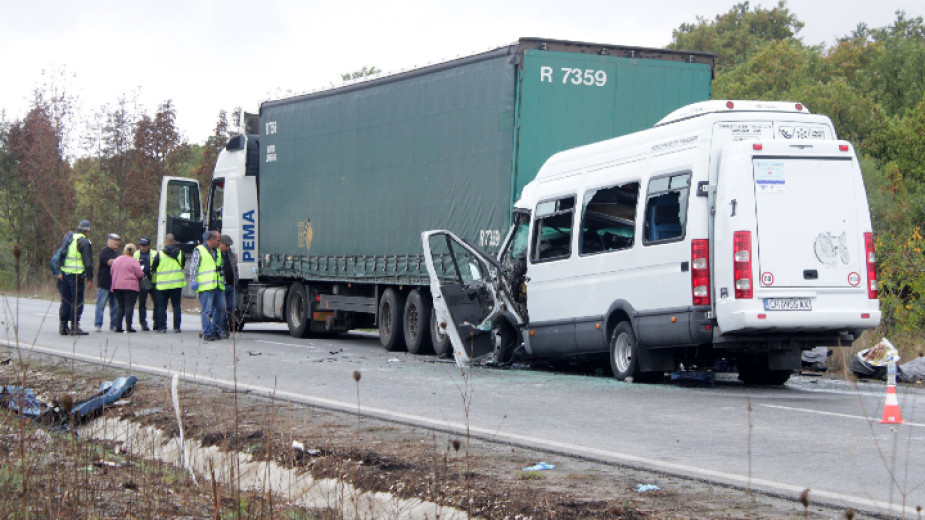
463	282
180	214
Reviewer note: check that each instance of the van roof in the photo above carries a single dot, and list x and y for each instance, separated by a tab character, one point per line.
716	106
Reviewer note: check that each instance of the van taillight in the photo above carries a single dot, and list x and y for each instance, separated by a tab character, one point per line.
700	271
871	266
742	263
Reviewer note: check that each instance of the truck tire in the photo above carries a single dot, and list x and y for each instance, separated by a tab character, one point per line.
755	371
416	323
391	310
298	315
624	356
439	340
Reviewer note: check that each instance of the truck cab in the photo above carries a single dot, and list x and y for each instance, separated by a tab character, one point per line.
736	230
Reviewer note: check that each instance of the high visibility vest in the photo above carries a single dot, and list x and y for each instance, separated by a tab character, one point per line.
152	254
73	263
169	273
209	275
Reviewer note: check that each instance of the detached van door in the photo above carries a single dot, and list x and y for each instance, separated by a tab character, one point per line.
465	298
180	213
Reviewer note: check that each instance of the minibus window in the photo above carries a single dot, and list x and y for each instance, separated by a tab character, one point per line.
552	232
666	208
608	222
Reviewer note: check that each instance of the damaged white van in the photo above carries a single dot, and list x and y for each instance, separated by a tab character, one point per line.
733	230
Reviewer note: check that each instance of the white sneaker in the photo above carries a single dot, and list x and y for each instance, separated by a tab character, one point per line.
99	329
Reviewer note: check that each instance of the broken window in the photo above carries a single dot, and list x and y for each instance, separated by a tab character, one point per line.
552	232
608	221
666	208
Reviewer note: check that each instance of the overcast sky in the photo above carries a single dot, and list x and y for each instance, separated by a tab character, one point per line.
210	55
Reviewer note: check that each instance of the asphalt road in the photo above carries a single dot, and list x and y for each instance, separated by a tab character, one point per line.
814	433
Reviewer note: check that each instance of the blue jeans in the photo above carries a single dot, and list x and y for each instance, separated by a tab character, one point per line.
103	296
213	311
229	309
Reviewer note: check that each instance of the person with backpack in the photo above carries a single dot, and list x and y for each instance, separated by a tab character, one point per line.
76	274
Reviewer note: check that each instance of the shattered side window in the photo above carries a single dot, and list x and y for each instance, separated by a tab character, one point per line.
608	221
552	232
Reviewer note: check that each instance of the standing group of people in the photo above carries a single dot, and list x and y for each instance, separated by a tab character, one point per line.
213	273
140	273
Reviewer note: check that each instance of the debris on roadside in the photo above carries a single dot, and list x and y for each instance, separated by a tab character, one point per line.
540	467
813	360
642	488
694	376
872	362
58	413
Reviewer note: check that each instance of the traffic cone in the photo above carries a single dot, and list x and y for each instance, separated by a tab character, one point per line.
891	413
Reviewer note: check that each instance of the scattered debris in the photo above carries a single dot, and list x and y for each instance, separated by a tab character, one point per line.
540	467
872	362
6	361
149	411
694	376
252	353
913	371
394	360
814	359
642	488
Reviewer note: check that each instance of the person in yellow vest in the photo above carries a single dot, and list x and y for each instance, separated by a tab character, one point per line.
145	257
206	279
169	282
76	273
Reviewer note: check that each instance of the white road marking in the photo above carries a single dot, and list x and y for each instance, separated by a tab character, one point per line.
286	344
525	441
834	414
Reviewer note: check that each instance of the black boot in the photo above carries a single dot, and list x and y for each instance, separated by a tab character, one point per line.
62	328
77	331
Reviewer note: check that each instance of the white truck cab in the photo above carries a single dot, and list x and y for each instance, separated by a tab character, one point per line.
731	229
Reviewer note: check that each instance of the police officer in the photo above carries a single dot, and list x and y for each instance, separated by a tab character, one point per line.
76	271
169	283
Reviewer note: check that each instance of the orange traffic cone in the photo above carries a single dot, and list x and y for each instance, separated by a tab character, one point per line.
891	413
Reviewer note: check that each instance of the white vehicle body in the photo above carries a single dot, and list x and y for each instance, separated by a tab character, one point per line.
730	229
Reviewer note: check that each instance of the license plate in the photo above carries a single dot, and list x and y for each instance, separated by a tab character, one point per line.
788	304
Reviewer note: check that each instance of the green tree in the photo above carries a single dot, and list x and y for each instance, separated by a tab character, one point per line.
362	72
737	34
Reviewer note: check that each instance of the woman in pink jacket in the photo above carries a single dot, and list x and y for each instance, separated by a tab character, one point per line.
126	271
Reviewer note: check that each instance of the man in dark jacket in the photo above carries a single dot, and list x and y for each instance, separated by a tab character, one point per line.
169	282
104	294
76	272
230	275
146	257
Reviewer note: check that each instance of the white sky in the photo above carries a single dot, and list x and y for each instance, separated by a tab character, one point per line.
207	55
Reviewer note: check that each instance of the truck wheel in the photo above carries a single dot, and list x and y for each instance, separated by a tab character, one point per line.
297	311
755	371
624	356
391	307
439	340
416	323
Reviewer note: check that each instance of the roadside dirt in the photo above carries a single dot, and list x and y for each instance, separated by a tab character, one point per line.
484	479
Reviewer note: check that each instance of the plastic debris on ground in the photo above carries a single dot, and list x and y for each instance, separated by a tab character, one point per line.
51	412
913	371
814	359
872	362
540	467
642	488
696	377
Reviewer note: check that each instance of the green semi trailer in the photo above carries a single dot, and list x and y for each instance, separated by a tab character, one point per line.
327	194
